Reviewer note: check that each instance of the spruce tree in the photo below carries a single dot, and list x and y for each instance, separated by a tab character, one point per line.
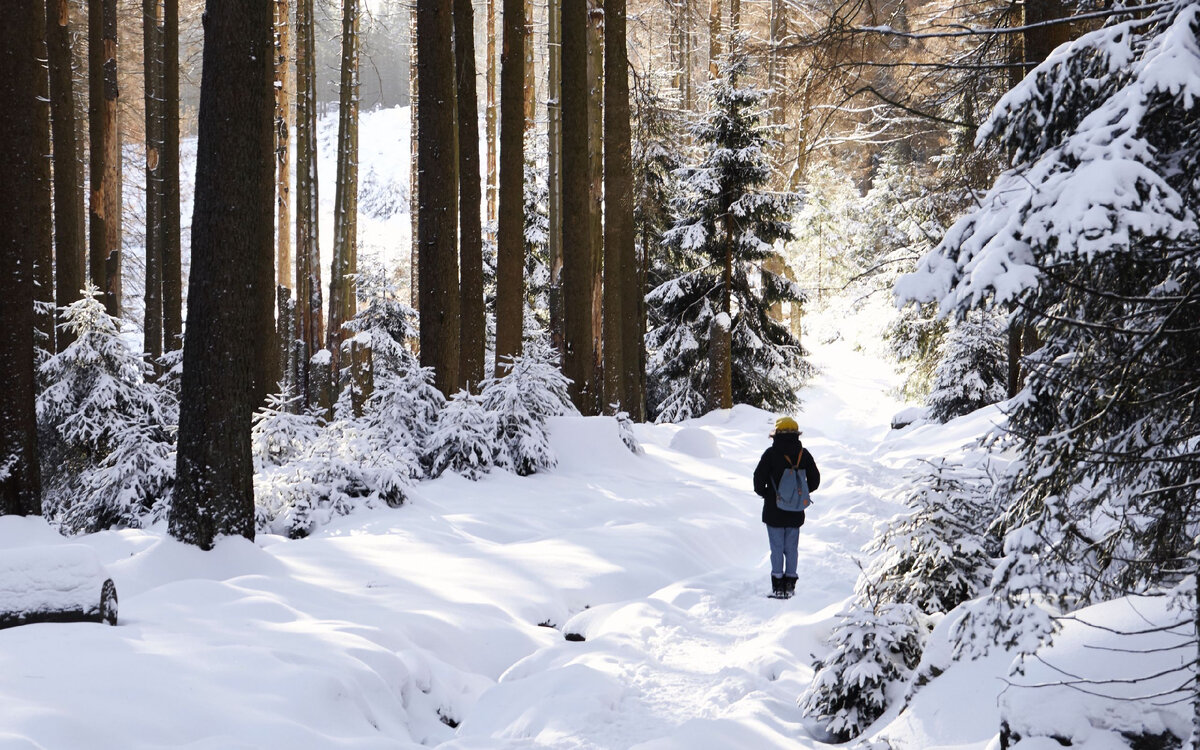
726	225
972	371
1092	237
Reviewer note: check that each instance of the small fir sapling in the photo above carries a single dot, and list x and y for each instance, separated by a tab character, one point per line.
973	369
625	429
281	433
933	557
874	650
464	439
531	391
105	431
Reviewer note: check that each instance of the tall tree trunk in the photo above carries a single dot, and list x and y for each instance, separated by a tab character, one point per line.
152	34
578	278
529	70
775	63
621	287
510	243
172	284
105	205
687	93
414	173
720	333
554	164
43	236
437	221
342	289
69	223
232	277
595	42
714	38
308	248
285	329
470	223
20	479
492	119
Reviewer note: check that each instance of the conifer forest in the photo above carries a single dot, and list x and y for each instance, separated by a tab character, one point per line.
402	373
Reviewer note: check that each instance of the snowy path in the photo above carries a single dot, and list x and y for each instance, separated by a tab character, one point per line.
388	627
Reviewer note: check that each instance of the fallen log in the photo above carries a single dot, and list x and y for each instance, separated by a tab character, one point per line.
56	583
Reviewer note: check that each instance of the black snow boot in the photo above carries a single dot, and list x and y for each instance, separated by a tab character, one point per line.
789	587
778	587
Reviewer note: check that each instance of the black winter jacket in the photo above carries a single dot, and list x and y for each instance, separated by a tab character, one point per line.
770	470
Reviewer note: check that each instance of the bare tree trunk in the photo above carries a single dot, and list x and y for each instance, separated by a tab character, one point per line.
688	95
714	38
510	246
621	286
577	275
437	220
492	119
105	206
595	43
232	276
529	71
342	289
414	174
775	64
285	312
554	163
43	235
470	223
172	285
308	249
20	479
70	241
152	38
720	334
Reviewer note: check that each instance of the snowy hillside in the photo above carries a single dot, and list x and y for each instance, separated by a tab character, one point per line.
388	628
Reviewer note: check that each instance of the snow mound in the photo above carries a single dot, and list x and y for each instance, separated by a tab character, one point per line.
588	444
1116	670
696	442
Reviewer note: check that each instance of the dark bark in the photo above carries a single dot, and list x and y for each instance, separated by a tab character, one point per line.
554	178
172	269
595	42
342	289
152	34
43	223
619	241
104	208
510	244
285	330
308	254
70	242
577	276
437	221
20	482
470	222
231	278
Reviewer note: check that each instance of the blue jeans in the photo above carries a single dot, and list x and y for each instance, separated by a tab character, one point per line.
785	540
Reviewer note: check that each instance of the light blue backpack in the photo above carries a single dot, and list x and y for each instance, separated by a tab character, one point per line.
791	493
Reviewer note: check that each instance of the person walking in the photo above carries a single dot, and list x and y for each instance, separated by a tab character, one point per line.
785	476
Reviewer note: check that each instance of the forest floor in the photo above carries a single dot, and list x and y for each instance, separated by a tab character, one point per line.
443	622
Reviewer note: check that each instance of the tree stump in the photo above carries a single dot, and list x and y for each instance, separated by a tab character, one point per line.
58	583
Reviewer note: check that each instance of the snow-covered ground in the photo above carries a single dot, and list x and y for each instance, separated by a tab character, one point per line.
388	628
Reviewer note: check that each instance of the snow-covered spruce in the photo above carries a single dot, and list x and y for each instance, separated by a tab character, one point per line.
873	651
464	440
353	460
532	390
933	557
725	211
1094	234
972	370
105	431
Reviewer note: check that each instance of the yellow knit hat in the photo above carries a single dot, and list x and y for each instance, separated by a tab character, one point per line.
786	424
